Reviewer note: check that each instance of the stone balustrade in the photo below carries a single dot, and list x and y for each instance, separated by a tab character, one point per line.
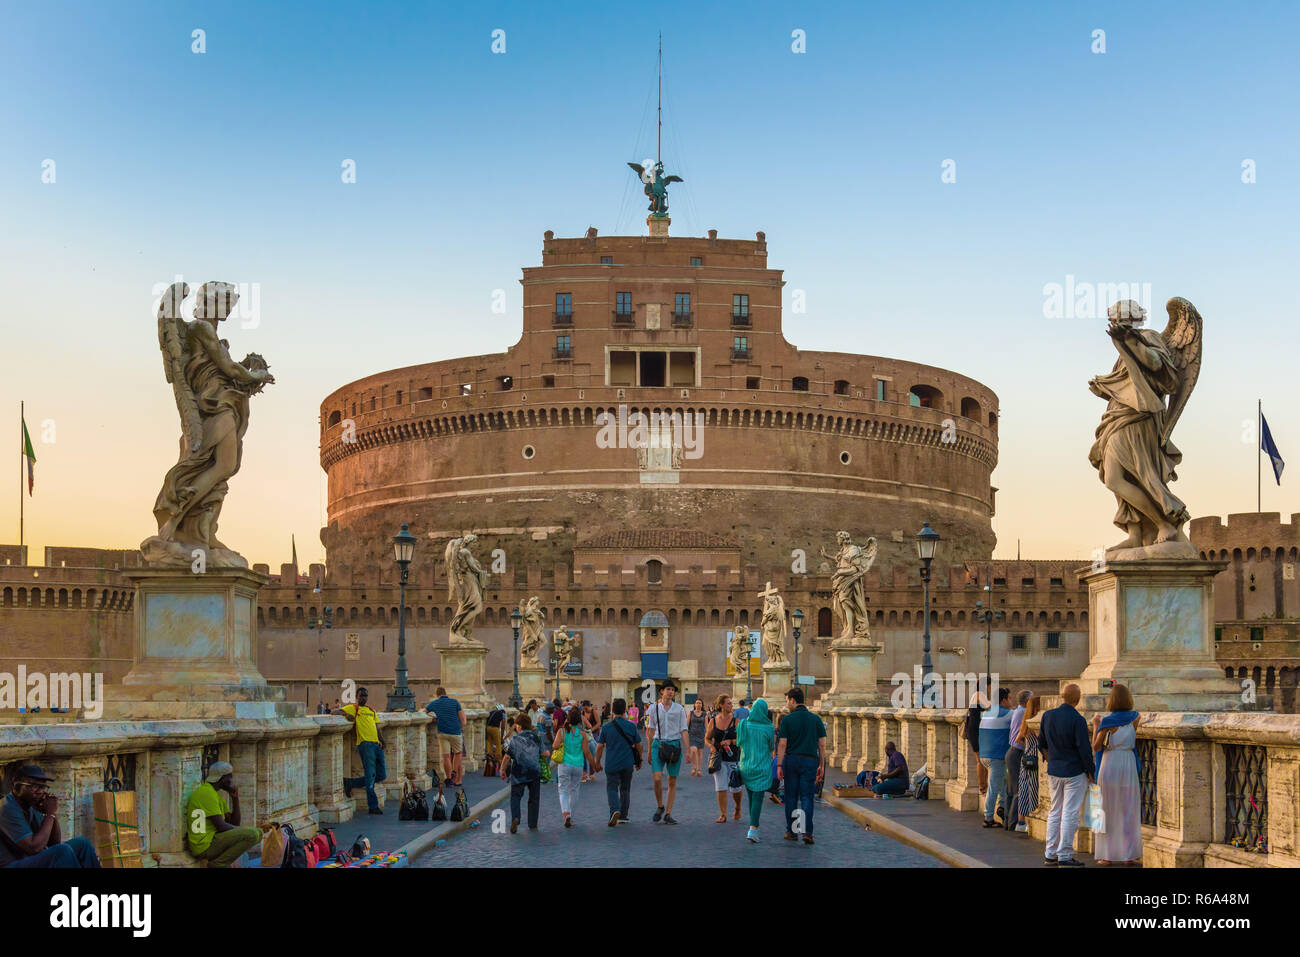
1209	779
288	770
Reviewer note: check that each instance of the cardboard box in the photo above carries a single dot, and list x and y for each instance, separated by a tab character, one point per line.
117	831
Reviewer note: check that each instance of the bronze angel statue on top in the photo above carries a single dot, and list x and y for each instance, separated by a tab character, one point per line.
1133	454
212	392
656	185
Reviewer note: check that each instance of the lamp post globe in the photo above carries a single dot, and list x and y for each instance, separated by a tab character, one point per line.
798	632
516	699
927	546
401	698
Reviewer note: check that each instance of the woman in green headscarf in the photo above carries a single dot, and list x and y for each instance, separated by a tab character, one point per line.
757	740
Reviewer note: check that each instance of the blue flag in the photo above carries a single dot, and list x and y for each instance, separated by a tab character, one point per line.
1270	449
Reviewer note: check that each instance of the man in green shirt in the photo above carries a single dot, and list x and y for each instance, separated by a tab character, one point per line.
213	821
801	764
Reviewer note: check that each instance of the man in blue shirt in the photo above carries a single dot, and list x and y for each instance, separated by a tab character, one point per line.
451	724
1063	740
623	740
29	827
995	739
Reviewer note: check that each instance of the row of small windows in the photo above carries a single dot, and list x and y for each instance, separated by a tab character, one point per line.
623	305
609	260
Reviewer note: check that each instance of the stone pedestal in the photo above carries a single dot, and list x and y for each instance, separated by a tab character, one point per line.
742	688
658	225
853	676
532	684
463	672
1151	627
195	649
777	680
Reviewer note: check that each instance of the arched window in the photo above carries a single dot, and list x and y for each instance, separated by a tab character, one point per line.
654	571
841	386
824	623
970	408
799	383
925	396
335	418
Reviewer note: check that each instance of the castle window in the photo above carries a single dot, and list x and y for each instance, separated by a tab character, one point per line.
841	386
1053	642
993	420
399	397
824	623
372	403
880	390
466	388
354	408
751	382
335	418
799	383
548	382
740	308
925	396
682	304
1027	582
1257	634
1054	582
1019	643
970	408
654	571
426	392
563	348
654	367
607	260
740	347
564	304
505	383
697	261
623	303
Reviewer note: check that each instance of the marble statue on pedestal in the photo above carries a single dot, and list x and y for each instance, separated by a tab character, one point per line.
772	628
738	650
531	625
465	582
212	393
852	562
1133	453
563	645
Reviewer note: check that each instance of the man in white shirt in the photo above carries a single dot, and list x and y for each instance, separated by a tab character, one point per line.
666	725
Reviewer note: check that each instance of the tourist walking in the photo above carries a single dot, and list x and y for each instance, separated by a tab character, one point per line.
451	741
742	712
1014	753
666	727
495	733
571	747
622	740
756	739
995	738
522	765
1063	741
724	756
591	726
1114	739
801	753
695	727
1027	793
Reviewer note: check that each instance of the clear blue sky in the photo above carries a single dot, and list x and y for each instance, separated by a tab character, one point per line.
1119	167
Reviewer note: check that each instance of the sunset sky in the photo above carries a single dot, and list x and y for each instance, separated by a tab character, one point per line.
1122	166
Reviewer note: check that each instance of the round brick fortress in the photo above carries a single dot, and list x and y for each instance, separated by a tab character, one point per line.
536	449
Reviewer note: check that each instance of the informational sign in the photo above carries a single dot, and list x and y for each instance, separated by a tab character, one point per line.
807	680
574	667
755	654
352	646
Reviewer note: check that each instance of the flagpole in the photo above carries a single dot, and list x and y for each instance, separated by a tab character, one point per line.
22	453
1259	430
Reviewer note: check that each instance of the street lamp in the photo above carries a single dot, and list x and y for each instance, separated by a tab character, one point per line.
798	632
322	622
927	543
516	700
401	698
985	617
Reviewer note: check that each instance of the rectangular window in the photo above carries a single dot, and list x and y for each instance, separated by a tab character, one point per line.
740	347
1257	634
548	381
562	343
426	392
682	303
697	261
623	303
1057	582
751	382
739	306
607	260
1053	642
564	303
1019	643
880	390
1218	634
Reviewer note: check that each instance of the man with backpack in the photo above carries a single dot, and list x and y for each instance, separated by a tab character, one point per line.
623	740
522	765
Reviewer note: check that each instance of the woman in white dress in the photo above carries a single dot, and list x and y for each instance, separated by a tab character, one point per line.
1121	791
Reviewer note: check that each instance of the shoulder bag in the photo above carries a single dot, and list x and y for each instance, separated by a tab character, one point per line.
634	744
670	752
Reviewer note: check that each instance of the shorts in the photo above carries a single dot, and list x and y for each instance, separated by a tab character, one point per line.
722	777
656	765
450	744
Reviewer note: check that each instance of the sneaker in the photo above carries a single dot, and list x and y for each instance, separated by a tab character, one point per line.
1022	828
808	839
752	836
514	826
624	820
1069	862
568	822
614	819
347	788
791	836
669	819
1050	862
659	815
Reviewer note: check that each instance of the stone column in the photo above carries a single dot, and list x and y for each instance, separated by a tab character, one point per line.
173	774
869	743
328	767
940	735
963	791
912	738
532	684
851	752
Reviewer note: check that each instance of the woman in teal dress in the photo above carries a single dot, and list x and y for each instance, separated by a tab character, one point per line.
757	740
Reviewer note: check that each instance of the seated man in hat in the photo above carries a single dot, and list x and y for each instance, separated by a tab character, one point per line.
29	829
212	821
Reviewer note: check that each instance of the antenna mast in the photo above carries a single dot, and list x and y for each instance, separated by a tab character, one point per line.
659	143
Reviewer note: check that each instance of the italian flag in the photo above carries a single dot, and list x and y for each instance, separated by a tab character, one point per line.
31	459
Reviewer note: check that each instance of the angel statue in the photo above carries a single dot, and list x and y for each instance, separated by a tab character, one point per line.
1133	454
773	629
656	185
465	582
739	650
211	392
852	562
532	621
563	645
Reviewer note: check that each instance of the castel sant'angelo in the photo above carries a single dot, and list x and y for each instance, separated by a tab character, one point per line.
650	458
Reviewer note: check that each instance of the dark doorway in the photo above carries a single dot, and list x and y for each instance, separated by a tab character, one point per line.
654	368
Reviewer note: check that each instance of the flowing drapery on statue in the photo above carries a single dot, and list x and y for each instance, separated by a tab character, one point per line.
848	585
465	582
212	392
1133	452
772	628
532	622
563	645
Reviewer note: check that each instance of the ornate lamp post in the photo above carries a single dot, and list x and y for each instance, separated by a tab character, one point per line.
927	543
322	622
516	699
749	672
401	698
985	617
798	632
